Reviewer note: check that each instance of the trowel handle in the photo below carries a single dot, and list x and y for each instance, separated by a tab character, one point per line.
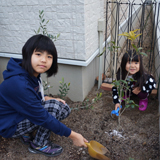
88	144
116	112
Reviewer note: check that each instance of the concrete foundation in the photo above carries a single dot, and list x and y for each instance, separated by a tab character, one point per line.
81	78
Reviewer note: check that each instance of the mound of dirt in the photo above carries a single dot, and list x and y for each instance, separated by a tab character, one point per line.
137	138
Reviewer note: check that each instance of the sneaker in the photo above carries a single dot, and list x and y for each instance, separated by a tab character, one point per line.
25	139
143	104
50	149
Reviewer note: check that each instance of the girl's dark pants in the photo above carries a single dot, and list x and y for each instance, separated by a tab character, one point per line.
142	95
57	109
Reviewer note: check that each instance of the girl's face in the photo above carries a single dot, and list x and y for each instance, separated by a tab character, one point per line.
41	62
132	67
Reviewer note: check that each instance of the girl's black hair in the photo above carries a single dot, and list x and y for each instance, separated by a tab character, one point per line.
140	76
39	43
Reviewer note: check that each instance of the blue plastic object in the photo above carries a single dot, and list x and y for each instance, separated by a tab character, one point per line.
116	112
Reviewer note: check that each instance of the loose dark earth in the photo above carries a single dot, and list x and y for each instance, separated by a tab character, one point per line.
136	139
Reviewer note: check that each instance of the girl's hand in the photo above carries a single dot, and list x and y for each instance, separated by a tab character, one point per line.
58	99
136	90
117	105
78	139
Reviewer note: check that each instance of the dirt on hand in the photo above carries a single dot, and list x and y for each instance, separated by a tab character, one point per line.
136	139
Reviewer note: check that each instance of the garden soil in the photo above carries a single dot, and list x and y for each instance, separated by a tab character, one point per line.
137	137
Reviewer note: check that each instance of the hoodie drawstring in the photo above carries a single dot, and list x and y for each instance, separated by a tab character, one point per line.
41	89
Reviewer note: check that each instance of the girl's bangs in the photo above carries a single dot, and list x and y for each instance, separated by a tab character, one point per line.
135	58
44	45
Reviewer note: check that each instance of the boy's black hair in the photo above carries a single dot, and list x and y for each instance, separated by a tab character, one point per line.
140	76
39	43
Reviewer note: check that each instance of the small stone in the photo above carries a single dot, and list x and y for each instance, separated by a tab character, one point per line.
144	143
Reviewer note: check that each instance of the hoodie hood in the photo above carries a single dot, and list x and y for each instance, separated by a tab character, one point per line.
13	68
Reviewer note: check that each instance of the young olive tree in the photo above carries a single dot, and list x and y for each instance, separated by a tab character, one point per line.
122	85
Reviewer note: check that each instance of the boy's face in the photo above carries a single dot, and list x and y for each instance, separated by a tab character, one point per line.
41	62
132	67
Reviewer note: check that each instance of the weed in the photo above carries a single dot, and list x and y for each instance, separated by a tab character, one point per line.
46	86
87	104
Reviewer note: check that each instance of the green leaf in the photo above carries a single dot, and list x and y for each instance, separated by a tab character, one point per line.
142	53
60	87
125	82
114	80
58	35
135	47
136	105
127	106
117	83
113	42
140	48
131	101
131	79
41	12
110	48
102	52
122	94
38	30
127	88
117	47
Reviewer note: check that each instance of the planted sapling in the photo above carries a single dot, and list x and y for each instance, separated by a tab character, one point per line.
122	84
63	88
43	27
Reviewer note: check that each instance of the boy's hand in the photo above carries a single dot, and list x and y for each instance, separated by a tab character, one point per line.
78	139
136	90
117	105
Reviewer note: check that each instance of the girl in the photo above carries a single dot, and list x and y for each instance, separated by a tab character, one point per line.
23	108
142	86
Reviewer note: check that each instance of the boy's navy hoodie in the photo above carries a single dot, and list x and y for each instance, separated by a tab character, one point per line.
19	100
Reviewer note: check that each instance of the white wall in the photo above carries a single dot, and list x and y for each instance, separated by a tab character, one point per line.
91	8
75	20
